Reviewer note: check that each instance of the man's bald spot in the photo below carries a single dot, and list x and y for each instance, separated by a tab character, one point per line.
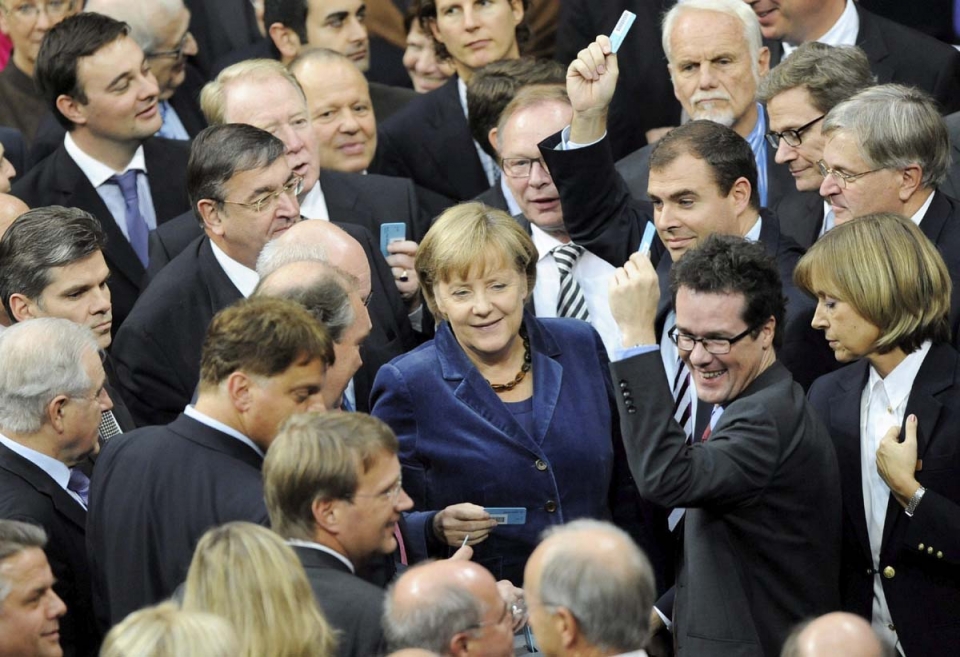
343	251
839	633
297	275
10	208
423	584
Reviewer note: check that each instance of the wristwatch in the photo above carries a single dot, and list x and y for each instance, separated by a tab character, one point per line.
914	501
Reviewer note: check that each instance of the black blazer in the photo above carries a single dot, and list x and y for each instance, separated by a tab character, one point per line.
922	586
28	494
14	150
370	200
429	141
494	198
351	605
761	534
905	56
154	492
387	100
601	215
59	181
157	351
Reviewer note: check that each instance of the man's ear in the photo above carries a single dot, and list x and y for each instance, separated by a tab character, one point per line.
458	645
22	307
286	41
763	63
741	192
71	109
55	412
210	214
239	387
911	179
326	515
492	138
566	626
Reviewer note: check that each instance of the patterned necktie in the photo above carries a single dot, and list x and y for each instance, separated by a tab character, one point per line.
80	484
108	427
136	224
683	400
571	302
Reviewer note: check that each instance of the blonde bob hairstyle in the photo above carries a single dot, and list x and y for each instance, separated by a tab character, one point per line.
248	575
890	274
166	631
470	240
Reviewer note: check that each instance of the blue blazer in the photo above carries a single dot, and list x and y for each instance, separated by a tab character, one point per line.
460	443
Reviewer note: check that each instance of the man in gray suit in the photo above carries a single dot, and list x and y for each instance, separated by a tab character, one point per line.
761	486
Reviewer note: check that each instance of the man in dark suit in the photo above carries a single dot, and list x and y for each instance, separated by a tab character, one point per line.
429	140
887	150
156	490
350	249
333	490
97	83
896	53
699	39
703	180
53	266
30	611
13	157
245	195
52	394
220	27
761	533
799	93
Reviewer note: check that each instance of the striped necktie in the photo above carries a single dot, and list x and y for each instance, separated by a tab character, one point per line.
683	400
571	302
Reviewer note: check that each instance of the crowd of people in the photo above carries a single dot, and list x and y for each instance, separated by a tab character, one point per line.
346	328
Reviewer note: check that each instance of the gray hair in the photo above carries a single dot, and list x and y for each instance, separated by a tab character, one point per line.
279	252
144	18
40	240
611	602
895	126
15	537
39	360
325	296
736	8
430	626
830	74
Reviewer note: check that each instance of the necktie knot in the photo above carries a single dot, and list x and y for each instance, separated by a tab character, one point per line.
80	484
127	181
567	256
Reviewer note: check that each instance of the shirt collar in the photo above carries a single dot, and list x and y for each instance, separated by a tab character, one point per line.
96	171
57	470
512	206
314	205
899	382
322	548
753	235
462	91
922	210
203	418
544	241
843	33
244	278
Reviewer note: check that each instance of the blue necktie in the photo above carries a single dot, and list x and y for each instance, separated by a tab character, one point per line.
136	224
80	484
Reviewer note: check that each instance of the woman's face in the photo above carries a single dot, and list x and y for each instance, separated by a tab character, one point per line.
849	334
420	59
485	310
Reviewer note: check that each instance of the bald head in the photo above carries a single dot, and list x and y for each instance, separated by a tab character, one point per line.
450	607
838	633
10	208
413	652
319	237
592	572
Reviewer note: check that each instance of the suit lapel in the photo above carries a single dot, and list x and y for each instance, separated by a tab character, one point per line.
43	483
547	377
845	417
870	40
165	160
935	218
453	134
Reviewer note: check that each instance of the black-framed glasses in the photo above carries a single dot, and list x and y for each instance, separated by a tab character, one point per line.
30	11
176	53
792	137
841	177
715	346
519	167
268	202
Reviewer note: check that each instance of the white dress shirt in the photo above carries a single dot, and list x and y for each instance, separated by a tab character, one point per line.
593	275
322	548
314	204
882	405
56	470
843	33
244	278
98	173
203	418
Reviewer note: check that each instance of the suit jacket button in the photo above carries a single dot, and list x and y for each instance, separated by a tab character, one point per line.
631	410
930	550
550	506
889	572
623	384
541	466
939	555
921	546
627	394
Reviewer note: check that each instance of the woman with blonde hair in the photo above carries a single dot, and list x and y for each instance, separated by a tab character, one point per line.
883	299
248	575
501	409
167	631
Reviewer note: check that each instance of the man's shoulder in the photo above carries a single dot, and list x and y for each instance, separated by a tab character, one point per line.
38	179
425	107
905	42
